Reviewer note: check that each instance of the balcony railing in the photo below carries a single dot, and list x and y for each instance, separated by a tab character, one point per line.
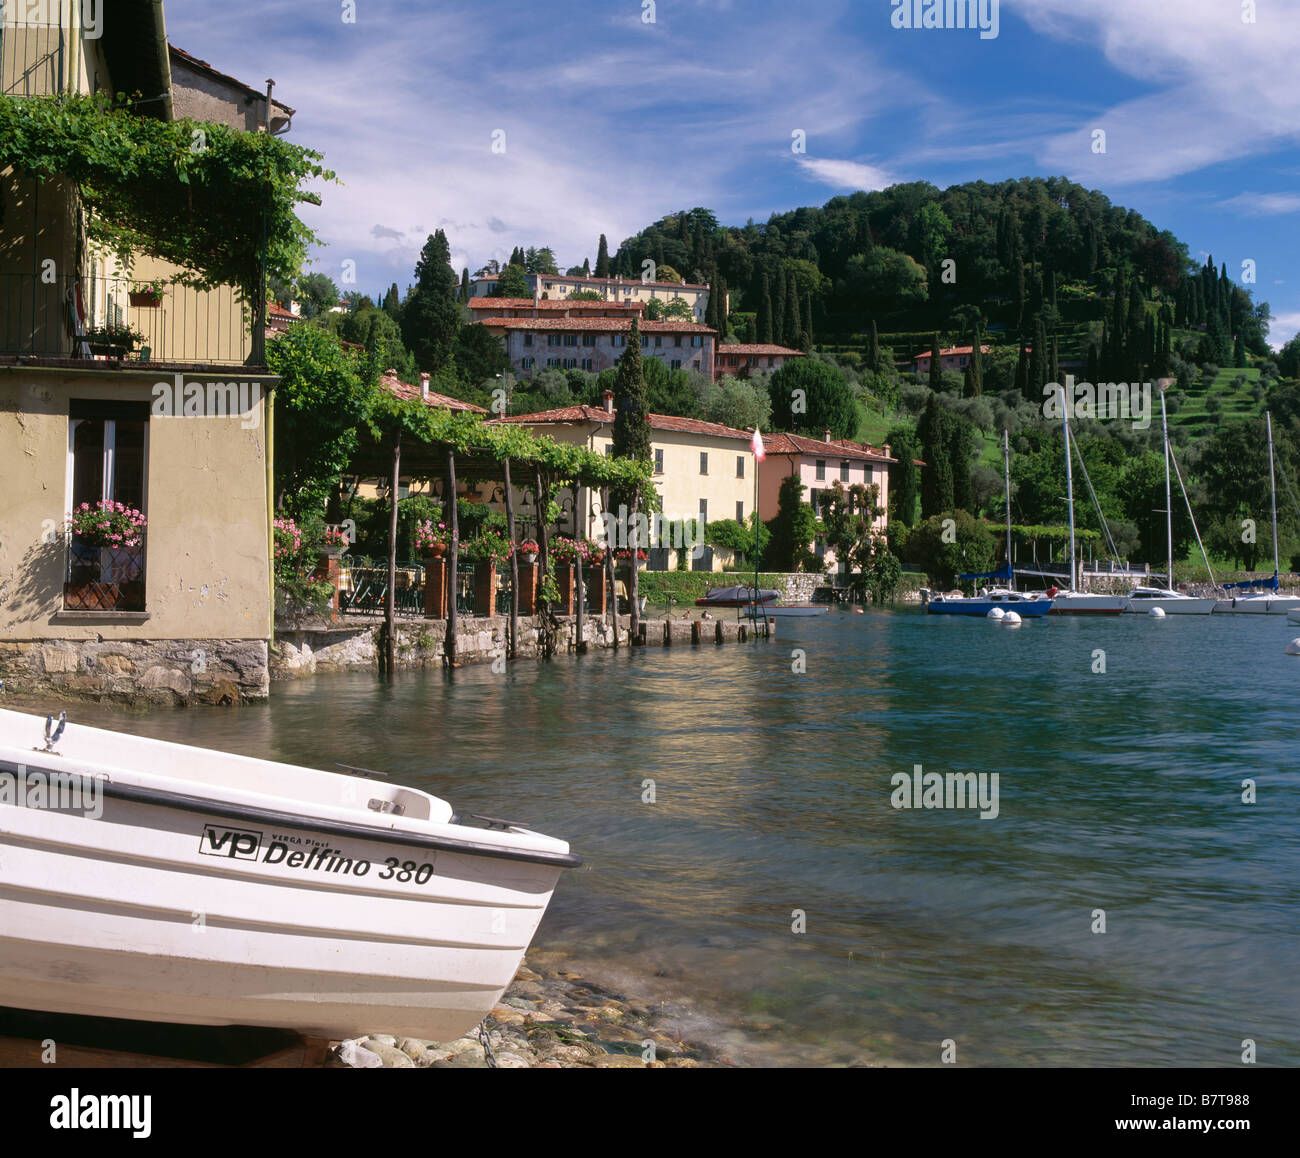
104	578
112	318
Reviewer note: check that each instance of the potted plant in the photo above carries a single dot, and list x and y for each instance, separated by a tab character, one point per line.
114	340
432	539
148	295
107	550
336	541
529	549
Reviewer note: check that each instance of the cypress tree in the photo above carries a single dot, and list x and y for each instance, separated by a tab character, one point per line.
793	324
1054	364
875	347
968	381
936	365
778	310
1022	369
431	320
807	324
936	449
763	323
1094	364
393	301
1239	352
977	361
586	267
602	258
464	287
1038	358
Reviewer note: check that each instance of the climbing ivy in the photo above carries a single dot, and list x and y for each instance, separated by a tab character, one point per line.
199	194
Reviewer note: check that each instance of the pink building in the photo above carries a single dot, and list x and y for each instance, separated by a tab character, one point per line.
819	464
737	357
955	358
596	343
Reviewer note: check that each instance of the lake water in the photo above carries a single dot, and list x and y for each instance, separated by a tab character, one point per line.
1119	791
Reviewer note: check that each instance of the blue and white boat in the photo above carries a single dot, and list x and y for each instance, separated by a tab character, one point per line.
1025	604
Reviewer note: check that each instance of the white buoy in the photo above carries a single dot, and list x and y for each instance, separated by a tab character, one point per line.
1157	613
1293	648
1011	619
996	613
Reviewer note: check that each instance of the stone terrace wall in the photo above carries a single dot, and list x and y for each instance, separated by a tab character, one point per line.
173	671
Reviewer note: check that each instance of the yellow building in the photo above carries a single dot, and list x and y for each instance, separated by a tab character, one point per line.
176	427
551	287
702	470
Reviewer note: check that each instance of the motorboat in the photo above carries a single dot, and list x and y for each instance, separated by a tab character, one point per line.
161	882
784	610
736	597
1142	599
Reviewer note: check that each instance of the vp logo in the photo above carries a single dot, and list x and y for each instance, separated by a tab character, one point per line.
229	842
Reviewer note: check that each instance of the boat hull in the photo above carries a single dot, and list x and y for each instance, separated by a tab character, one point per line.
171	908
1089	604
1257	605
776	611
1025	608
1189	606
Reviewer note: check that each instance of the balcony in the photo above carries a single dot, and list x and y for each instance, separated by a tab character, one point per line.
104	579
110	319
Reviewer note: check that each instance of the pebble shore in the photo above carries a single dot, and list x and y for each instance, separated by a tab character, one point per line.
549	1018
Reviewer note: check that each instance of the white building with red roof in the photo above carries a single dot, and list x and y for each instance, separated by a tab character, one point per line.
736	358
540	341
548	286
702	470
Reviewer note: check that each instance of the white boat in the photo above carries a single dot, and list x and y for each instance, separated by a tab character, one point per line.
1266	600
1073	602
1088	603
1142	599
179	884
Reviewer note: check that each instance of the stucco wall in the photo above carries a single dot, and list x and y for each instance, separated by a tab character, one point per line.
207	568
604	355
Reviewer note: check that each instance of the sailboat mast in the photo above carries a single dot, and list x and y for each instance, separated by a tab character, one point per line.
1006	470
1169	504
1069	495
1272	489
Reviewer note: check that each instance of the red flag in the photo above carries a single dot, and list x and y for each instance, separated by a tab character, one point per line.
759	453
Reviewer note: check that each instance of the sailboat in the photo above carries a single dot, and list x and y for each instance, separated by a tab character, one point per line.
1266	601
1074	602
1025	604
1143	599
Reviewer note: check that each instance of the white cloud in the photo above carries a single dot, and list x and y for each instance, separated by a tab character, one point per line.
846	174
1265	203
1283	328
1219	95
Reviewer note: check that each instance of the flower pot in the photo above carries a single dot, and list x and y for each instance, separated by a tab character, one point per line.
530	556
437	551
145	299
108	350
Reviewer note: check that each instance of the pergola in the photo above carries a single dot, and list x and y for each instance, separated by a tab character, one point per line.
408	437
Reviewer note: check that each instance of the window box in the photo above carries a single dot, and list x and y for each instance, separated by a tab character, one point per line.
104	578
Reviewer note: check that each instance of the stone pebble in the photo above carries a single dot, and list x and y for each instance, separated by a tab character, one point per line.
549	1018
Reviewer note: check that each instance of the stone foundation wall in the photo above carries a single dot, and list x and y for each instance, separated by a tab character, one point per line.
172	671
306	651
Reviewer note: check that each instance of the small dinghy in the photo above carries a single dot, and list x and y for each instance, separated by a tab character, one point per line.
735	597
162	882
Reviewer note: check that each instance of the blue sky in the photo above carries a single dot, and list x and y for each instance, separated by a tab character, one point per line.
611	121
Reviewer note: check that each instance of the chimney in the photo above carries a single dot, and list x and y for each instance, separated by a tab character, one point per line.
424	385
826	435
885	448
608	399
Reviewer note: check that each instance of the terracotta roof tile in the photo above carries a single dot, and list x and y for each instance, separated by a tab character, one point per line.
409	393
783	444
612	325
600	415
549	304
760	349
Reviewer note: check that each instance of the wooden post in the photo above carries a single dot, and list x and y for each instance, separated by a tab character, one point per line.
633	582
390	597
453	563
611	591
544	541
514	566
581	592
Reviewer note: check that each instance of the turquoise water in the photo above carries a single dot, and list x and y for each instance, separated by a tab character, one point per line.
1118	792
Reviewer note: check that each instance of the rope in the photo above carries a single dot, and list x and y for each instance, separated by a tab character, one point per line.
1105	527
1191	516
